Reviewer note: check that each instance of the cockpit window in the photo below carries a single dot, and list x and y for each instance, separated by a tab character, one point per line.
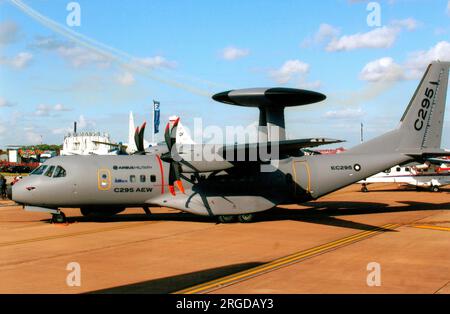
49	172
59	172
38	171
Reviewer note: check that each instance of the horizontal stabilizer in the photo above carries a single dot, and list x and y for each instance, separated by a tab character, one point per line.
428	153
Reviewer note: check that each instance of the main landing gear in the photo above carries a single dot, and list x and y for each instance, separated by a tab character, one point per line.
243	218
435	188
59	218
364	188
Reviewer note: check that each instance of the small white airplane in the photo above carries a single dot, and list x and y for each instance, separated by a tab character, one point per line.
428	175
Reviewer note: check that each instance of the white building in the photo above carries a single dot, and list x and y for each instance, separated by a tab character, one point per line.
84	143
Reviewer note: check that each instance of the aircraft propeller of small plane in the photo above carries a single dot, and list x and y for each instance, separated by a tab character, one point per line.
174	175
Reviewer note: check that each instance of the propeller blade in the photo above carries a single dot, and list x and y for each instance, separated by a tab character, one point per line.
180	186
167	137
172	178
141	137
136	138
173	158
177	170
173	132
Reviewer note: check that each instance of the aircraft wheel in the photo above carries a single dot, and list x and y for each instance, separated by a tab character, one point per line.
85	212
246	218
59	218
226	219
364	189
435	189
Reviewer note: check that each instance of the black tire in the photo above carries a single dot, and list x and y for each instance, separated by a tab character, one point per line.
59	218
435	189
85	212
225	219
246	218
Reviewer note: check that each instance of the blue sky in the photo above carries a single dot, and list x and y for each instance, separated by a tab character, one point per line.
181	52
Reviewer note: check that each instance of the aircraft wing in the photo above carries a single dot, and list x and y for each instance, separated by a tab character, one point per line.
286	147
225	157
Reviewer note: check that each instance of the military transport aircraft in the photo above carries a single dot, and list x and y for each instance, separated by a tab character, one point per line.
228	188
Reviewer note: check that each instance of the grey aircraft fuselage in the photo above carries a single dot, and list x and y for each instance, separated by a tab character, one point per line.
236	188
141	180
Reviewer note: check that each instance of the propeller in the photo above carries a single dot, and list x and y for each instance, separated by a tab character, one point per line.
139	139
173	158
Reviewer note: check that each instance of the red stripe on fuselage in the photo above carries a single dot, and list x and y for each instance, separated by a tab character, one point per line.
161	169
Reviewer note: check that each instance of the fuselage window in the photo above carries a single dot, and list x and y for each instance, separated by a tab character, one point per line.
142	178
132	178
49	172
40	170
59	172
407	169
398	169
153	178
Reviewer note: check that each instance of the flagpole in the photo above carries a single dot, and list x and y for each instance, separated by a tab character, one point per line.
153	118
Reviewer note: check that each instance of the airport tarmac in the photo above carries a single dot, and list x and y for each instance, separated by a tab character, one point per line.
323	246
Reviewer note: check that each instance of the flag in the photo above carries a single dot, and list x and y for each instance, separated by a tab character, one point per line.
155	117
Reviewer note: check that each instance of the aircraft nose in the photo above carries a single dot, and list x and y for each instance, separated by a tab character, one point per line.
9	192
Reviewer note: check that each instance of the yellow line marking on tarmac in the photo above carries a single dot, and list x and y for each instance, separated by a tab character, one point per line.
282	262
74	234
431	227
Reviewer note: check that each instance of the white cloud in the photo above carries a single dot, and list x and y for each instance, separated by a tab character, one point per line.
48	110
384	69
233	53
60	107
417	61
156	62
84	123
409	24
79	56
9	32
6	103
325	31
309	85
382	37
289	70
345	114
75	55
125	79
20	61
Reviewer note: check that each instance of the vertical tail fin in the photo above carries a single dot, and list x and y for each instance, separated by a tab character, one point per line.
422	123
131	131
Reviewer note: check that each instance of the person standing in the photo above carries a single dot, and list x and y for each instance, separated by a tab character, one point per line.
3	186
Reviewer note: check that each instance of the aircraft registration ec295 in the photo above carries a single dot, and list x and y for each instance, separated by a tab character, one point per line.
229	189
